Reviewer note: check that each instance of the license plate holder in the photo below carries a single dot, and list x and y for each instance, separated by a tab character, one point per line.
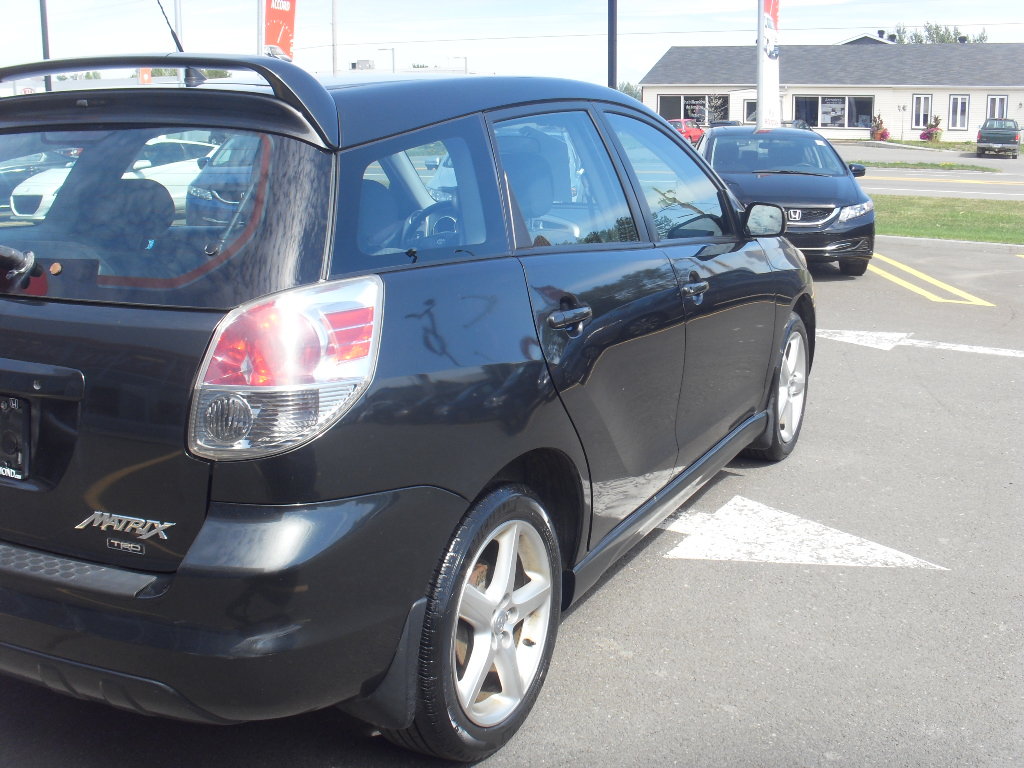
14	437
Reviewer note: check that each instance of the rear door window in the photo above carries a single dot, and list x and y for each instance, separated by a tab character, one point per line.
199	217
564	188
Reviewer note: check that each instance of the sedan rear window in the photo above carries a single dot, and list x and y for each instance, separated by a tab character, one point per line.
200	217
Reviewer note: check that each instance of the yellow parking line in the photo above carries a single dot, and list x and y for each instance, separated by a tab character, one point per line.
965	298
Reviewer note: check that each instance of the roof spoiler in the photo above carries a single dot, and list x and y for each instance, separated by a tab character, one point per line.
289	83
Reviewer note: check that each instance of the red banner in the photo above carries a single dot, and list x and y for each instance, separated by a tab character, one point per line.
279	26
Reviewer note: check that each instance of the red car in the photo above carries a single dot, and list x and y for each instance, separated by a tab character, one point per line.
689	129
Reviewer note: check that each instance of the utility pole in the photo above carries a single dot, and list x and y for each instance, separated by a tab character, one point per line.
612	44
261	24
334	37
44	26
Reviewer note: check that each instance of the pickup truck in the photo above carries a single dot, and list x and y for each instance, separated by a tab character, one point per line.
999	135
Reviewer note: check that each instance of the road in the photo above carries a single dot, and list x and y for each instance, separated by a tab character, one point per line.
1006	184
858	604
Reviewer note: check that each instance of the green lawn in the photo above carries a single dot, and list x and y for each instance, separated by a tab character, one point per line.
934	166
960	146
950	218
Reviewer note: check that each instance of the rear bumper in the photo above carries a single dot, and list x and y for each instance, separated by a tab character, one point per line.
273	612
991	147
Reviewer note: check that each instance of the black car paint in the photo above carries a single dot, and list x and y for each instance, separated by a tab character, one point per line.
801	191
318	558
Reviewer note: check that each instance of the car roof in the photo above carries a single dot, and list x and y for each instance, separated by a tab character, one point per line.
748	130
372	107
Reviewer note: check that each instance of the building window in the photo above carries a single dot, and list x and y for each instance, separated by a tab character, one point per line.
860	109
922	113
806	108
670	107
750	111
959	109
834	111
996	107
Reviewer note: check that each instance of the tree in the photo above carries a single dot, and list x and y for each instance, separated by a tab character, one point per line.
210	74
937	33
631	90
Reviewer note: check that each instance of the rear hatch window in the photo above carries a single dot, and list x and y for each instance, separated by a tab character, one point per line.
167	217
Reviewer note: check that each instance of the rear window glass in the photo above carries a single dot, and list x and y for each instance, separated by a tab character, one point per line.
767	152
201	217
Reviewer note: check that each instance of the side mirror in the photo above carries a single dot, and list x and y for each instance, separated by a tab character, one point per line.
857	169
138	165
202	161
764	220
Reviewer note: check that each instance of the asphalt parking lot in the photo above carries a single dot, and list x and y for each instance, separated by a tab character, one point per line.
1003	180
859	604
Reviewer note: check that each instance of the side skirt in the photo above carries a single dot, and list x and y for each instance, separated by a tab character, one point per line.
646	518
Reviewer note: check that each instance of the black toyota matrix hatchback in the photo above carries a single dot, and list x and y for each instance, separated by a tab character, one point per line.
319	419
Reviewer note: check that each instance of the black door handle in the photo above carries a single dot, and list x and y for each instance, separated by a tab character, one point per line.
561	319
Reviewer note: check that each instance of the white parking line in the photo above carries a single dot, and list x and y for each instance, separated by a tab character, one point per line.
888	341
746	531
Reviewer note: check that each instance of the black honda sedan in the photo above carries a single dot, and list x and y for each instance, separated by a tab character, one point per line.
829	217
354	431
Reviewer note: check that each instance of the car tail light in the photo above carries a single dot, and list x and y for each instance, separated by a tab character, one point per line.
280	371
979	136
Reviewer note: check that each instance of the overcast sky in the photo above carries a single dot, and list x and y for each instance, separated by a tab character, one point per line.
565	38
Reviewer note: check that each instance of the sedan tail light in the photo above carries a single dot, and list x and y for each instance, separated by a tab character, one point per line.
280	371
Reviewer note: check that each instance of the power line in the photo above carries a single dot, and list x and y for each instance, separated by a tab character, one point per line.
751	30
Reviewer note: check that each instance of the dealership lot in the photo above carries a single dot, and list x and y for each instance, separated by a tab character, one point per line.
858	604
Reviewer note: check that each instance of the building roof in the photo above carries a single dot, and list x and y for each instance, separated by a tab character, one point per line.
956	65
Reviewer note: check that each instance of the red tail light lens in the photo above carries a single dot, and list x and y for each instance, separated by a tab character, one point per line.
280	371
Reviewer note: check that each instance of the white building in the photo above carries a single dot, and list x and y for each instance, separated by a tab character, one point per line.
837	89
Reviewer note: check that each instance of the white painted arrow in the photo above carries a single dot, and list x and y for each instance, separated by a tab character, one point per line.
747	531
889	341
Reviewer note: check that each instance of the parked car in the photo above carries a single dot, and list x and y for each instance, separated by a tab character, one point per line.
828	215
333	442
171	162
17	169
219	189
999	136
689	128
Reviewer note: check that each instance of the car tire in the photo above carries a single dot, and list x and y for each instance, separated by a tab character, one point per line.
490	627
789	397
853	267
